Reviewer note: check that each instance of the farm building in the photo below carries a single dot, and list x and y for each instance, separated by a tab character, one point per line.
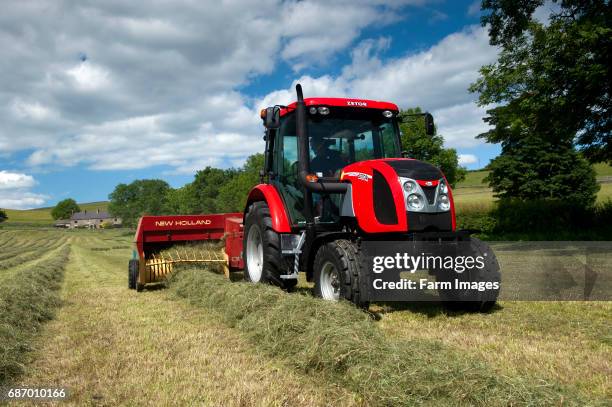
91	220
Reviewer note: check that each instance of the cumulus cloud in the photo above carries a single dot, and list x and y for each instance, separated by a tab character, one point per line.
122	85
21	200
116	85
467	159
435	79
14	191
14	180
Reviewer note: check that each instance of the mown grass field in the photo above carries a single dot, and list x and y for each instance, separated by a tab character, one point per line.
204	340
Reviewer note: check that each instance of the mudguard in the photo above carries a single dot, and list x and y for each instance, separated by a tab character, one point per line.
361	176
278	213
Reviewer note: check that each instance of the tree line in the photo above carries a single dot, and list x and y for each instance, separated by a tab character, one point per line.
215	190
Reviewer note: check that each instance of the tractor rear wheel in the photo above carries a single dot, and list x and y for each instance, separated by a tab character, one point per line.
472	300
133	273
263	262
337	272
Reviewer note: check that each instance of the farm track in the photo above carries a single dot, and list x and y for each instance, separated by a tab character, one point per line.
110	345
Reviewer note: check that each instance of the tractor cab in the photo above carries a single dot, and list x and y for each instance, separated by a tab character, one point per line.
339	134
338	162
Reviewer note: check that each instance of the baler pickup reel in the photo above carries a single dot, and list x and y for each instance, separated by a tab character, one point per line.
165	241
162	263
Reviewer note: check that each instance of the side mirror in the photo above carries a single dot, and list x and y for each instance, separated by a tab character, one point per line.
430	128
271	117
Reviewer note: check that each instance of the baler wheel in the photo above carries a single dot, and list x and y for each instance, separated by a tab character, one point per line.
132	273
337	271
263	262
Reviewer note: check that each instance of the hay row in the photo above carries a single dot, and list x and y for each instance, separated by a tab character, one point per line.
27	300
343	345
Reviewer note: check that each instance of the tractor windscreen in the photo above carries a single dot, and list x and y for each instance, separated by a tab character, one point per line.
345	135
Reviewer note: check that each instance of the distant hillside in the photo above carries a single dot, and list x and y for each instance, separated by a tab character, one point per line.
475	178
43	215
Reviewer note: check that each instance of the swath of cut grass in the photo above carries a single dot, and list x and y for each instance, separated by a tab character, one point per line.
26	301
343	345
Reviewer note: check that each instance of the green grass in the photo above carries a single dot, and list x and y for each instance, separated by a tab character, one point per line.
475	178
239	344
27	299
343	345
603	170
113	346
42	216
472	195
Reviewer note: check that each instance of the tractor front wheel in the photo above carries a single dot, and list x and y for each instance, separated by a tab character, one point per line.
337	272
263	262
471	300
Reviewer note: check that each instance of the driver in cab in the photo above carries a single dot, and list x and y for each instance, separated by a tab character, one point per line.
326	161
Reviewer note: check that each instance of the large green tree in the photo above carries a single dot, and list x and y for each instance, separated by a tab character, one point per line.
204	190
141	197
64	209
233	194
561	68
421	146
551	90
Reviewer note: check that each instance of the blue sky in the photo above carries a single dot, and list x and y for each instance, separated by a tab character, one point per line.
98	94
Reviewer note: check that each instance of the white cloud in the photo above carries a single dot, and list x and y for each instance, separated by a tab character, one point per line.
466	159
158	86
15	180
435	79
21	200
89	77
31	111
14	191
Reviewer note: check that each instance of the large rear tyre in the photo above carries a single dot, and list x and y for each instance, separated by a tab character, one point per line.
337	272
263	261
133	273
473	300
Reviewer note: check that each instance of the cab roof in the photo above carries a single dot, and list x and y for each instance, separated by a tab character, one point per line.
342	102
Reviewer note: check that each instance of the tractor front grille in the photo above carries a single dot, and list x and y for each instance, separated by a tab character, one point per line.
430	193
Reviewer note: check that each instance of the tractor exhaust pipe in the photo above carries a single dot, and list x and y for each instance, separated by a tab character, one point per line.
304	152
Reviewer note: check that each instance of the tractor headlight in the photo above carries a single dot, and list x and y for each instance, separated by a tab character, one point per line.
415	202
443	202
443	188
312	110
324	110
409	186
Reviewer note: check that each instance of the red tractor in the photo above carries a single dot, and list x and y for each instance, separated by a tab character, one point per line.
337	195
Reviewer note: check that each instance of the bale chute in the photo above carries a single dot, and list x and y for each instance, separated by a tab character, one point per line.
162	242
